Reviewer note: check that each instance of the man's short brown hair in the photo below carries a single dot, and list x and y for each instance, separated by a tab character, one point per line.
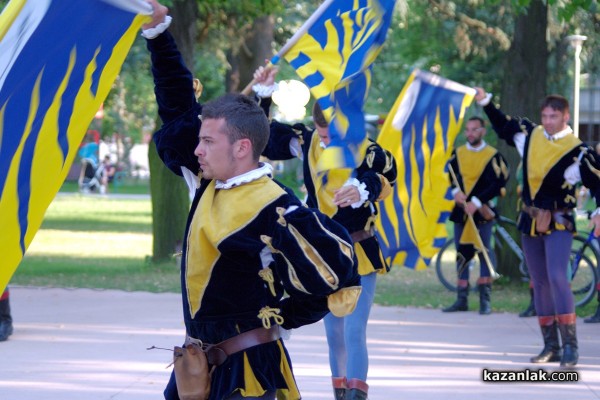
318	116
555	102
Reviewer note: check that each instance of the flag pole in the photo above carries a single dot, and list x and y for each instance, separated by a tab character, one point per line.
292	41
136	6
471	221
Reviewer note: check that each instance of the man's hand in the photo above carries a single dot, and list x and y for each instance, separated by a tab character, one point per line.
460	198
481	94
266	75
470	208
158	15
346	196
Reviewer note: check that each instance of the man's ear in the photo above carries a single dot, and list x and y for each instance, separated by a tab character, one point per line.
243	148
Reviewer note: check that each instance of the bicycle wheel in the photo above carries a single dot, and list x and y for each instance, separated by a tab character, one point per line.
584	278
590	249
445	266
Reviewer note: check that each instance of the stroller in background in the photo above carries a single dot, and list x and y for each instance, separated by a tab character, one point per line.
90	176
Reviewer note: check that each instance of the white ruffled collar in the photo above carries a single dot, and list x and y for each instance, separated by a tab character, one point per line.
263	169
558	135
477	148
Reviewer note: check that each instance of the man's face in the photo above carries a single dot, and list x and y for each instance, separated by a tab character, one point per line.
323	133
214	152
554	120
474	132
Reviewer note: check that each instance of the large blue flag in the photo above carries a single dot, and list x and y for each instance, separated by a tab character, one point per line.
58	60
420	131
333	53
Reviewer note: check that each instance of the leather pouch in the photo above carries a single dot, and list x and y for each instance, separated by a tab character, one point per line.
486	212
191	372
542	220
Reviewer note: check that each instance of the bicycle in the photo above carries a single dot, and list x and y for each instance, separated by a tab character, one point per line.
584	261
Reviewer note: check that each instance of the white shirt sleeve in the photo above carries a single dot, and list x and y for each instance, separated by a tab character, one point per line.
296	148
572	174
519	140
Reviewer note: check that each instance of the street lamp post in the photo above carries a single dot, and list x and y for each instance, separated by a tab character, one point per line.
576	41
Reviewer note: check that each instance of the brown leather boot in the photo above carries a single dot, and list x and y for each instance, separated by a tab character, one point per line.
357	389
339	387
551	351
568	332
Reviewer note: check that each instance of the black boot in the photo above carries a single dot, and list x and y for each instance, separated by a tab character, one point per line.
357	390
6	327
594	319
551	351
485	305
339	387
568	333
462	301
530	310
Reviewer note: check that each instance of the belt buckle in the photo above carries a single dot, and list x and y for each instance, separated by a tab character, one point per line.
216	355
534	211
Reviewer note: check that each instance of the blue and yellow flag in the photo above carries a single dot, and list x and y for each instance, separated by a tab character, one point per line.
333	52
58	60
420	131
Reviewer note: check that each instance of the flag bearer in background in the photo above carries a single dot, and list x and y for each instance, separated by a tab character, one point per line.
482	173
554	161
354	205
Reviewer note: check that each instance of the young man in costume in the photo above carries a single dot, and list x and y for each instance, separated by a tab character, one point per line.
482	173
354	205
554	161
247	239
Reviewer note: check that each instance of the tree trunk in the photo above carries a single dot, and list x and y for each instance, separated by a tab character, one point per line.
524	88
170	207
184	29
251	54
170	201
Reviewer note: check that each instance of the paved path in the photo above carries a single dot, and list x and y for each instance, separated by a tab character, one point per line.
91	345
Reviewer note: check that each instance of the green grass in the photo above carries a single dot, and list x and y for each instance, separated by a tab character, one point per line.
95	241
123	186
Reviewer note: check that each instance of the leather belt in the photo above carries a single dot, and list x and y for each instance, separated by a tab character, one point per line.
362	235
534	211
218	353
558	215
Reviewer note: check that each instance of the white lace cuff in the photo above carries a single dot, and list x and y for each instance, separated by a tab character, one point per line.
264	90
476	201
362	190
596	212
158	29
455	190
484	102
